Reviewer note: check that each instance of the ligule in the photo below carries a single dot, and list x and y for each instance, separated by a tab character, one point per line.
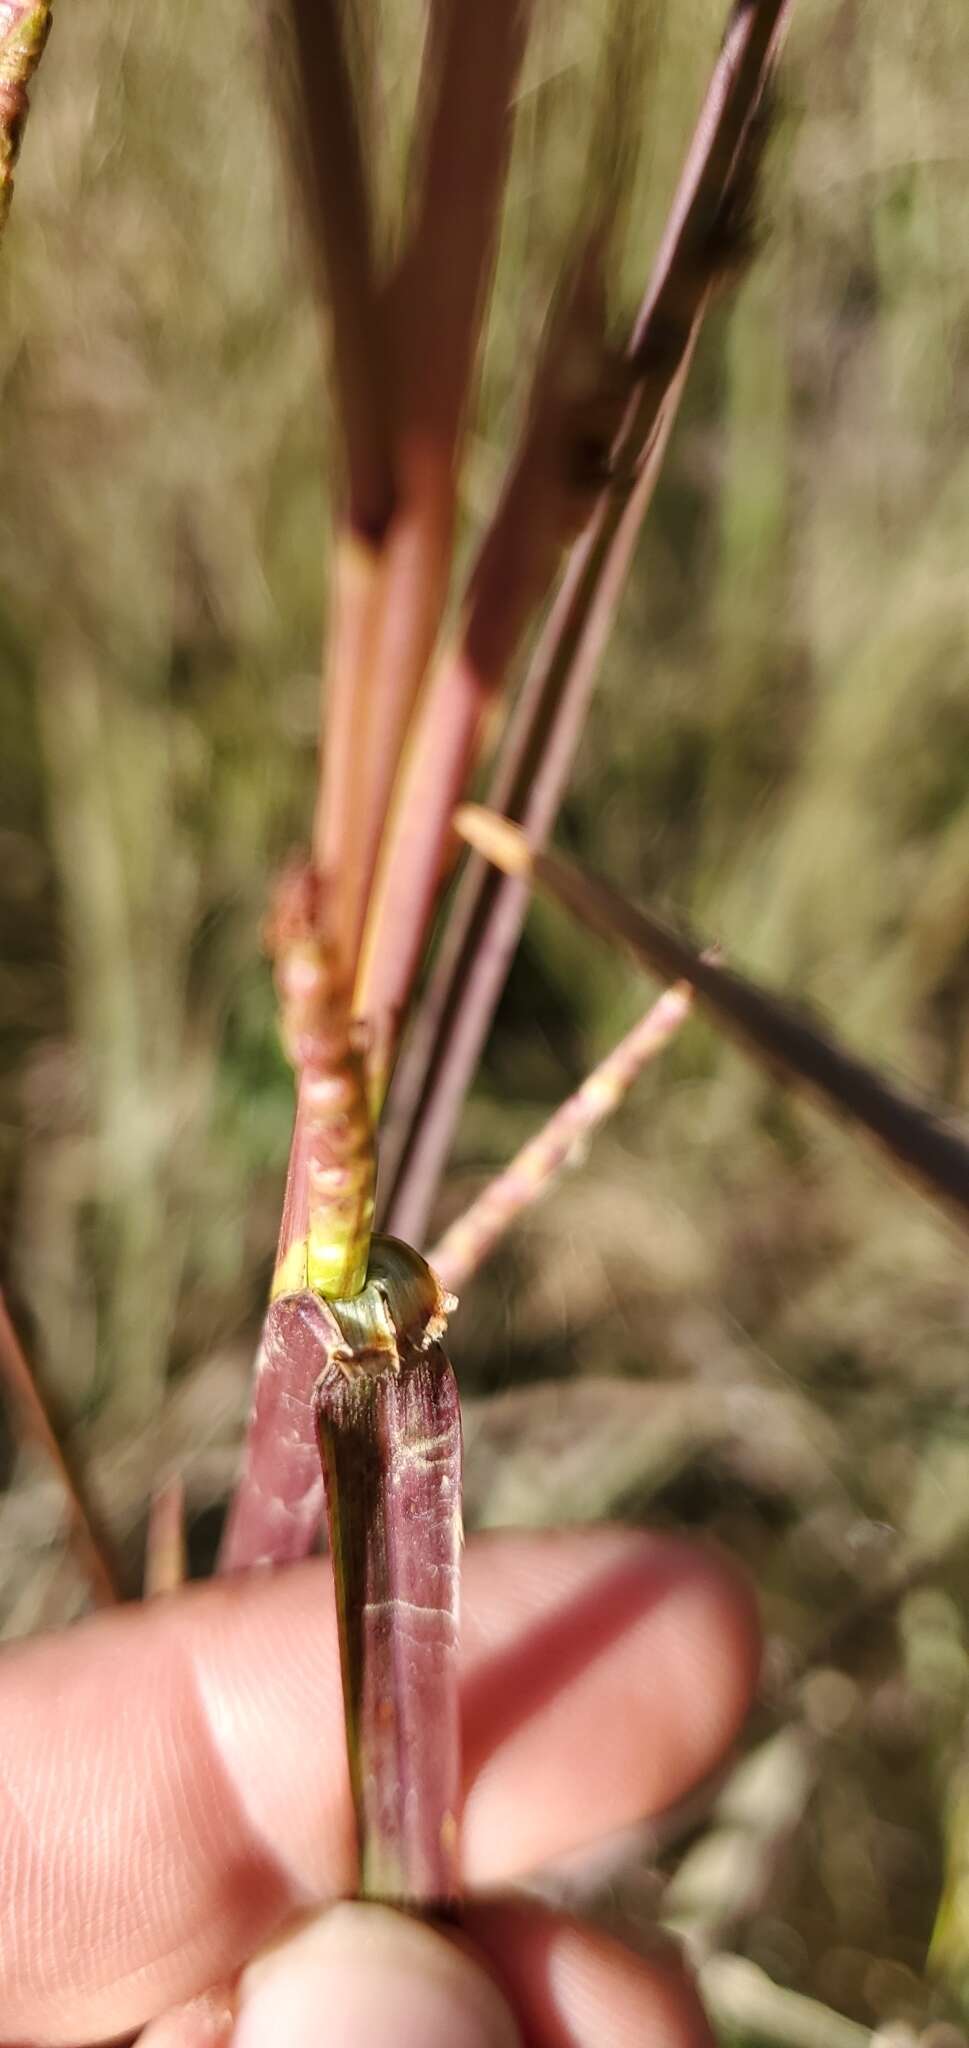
389	1432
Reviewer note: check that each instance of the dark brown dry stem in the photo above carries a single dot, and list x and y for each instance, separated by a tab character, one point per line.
800	1052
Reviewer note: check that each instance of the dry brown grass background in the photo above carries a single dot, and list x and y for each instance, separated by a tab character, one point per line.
730	1318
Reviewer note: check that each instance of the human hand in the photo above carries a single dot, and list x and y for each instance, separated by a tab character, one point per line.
173	1793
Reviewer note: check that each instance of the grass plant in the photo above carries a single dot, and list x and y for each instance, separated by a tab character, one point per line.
790	770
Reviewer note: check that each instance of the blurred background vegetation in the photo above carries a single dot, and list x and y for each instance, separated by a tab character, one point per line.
732	1318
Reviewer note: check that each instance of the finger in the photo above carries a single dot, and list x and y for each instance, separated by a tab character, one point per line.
173	1778
373	1974
572	1987
378	1976
359	1974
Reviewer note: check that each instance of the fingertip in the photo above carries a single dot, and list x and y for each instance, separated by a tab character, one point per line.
364	1973
720	1646
642	1665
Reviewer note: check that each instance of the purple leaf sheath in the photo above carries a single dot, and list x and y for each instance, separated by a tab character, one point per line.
364	1387
390	1442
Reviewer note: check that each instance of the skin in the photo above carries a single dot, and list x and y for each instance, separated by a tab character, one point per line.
174	1809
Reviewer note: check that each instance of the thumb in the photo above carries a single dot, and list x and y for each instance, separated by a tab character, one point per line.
358	1976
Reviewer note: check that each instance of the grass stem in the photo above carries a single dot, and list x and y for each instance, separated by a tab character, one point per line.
794	1047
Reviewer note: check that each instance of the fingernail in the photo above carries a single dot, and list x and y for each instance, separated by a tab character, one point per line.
360	1976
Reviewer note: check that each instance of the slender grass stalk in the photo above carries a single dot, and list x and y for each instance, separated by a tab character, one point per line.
698	251
324	149
577	398
24	29
85	1539
482	931
324	140
433	308
472	1238
799	1051
165	1555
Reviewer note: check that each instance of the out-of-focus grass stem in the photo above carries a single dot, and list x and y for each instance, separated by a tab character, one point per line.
37	1427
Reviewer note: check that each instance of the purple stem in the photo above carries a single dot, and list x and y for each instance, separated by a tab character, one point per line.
278	1505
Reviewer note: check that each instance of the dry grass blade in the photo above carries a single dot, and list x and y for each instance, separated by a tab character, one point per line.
717	178
696	252
37	1427
797	1049
24	29
471	1239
